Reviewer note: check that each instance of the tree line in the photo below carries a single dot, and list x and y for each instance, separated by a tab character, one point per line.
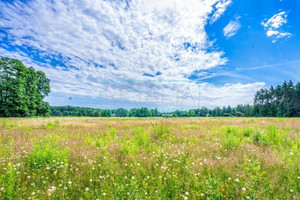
22	93
240	110
282	101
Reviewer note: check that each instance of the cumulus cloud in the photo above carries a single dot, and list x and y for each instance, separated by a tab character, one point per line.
80	43
273	26
232	28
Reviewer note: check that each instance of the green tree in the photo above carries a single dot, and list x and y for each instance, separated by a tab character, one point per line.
22	90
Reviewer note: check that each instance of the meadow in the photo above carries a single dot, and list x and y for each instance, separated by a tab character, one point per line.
150	158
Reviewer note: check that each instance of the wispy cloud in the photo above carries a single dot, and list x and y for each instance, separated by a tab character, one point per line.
232	28
78	44
273	26
220	8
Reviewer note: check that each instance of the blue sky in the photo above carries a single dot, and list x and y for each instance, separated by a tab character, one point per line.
160	53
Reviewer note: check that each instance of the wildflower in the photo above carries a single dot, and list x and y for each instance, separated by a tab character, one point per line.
47	167
237	180
201	194
186	193
128	193
86	189
291	190
70	182
133	177
244	189
2	188
33	193
201	163
28	176
247	197
291	153
104	194
91	180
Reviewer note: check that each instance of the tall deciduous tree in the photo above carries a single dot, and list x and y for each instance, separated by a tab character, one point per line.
22	90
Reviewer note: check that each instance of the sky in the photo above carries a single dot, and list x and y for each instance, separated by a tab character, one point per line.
169	54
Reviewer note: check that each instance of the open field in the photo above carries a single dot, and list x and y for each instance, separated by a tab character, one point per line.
150	158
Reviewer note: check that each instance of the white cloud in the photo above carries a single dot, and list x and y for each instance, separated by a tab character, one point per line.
220	8
232	28
129	39
273	26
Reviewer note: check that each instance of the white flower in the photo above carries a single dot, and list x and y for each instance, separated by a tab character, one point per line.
70	182
201	194
244	189
247	197
33	193
237	180
291	190
47	167
291	153
86	189
186	193
104	194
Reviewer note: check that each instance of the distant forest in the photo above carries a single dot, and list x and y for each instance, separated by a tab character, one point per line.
281	101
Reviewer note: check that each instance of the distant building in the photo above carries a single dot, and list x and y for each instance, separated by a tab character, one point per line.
167	115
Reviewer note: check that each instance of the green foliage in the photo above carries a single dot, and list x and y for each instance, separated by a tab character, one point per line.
231	137
213	189
282	101
22	90
161	131
45	152
52	125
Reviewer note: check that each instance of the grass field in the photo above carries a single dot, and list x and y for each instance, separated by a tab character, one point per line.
101	158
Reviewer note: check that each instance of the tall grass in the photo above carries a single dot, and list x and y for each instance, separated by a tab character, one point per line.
82	158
